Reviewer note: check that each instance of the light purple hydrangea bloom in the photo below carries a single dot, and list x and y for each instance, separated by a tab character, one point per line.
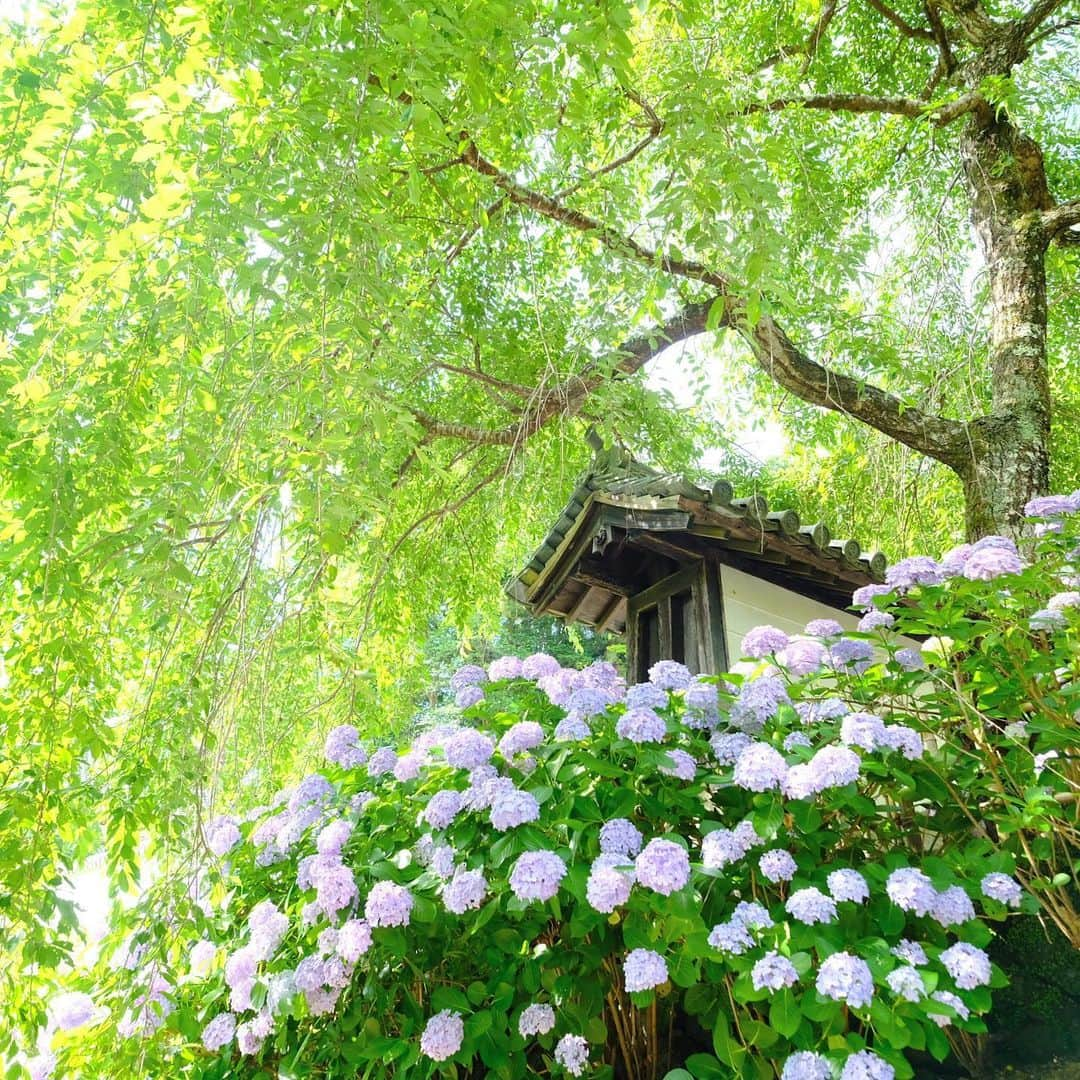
847	978
219	1032
572	1053
466	891
310	973
468	696
312	789
589	701
902	738
1002	888
512	807
817	712
758	701
267	927
468	675
333	837
646	696
969	966
343	747
644	969
388	904
1049	506
864	597
803	656
41	1066
910	659
442	808
663	866
992	562
911	890
468	748
682	767
851	654
72	1009
910	951
727	746
1063	600
760	767
730	937
539	666
382	761
353	940
831	766
620	837
536	1019
335	889
806	1065
862	729
866	1065
811	906
521	738
796	738
752	915
202	957
773	972
611	878
721	847
946	997
222	835
536	875
763	641
848	885
705	696
1045	619
571	728
505	667
443	1035
641	725
906	983
670	675
560	686
875	620
824	628
952	907
777	865
916	570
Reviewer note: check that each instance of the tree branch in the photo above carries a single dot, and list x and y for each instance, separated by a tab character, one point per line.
775	353
864	103
919	33
1059	222
812	43
1037	14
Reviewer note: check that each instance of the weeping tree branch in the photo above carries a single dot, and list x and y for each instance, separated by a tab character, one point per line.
774	351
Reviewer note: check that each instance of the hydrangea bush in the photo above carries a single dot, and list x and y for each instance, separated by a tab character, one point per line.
790	871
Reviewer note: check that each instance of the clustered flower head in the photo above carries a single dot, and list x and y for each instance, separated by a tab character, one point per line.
906	982
343	747
806	1065
219	1032
773	972
663	866
511	807
847	978
465	891
682	767
866	1065
443	1035
442	808
521	738
536	875
536	1020
968	965
760	767
670	675
72	1009
848	885
620	837
777	865
641	725
388	904
222	835
1001	887
572	1053
644	969
611	879
467	748
763	641
811	906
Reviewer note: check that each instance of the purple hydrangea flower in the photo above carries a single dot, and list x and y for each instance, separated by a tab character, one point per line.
219	1032
521	738
759	701
442	808
864	597
727	746
946	997
705	696
353	940
862	729
824	628
817	712
663	866
388	904
900	737
682	767
952	907
866	1065
202	957
312	789
468	748
589	701
468	696
1050	506
848	885
777	865
443	1035
831	766
795	739
760	767
382	761
559	686
646	696
359	801
41	1066
641	726
467	675
1063	600
536	875
343	747
811	906
806	1065
572	1053
730	937
670	675
910	951
851	654
310	973
466	891
620	837
644	969
72	1009
539	666
333	837
968	965
1045	619
847	978
512	807
752	915
1002	888
911	890
335	889
609	884
917	570
763	641
571	728
992	562
536	1020
876	620
505	667
222	835
906	983
267	927
721	847
803	656
773	972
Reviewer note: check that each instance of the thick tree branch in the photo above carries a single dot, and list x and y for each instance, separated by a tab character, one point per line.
1060	221
919	33
972	19
865	103
1036	15
774	351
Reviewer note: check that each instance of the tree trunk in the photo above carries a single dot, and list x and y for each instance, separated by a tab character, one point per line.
1008	458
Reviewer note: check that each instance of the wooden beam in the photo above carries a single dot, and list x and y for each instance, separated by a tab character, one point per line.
578	604
608	615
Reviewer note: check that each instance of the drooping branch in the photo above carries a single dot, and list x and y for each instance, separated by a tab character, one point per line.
772	348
